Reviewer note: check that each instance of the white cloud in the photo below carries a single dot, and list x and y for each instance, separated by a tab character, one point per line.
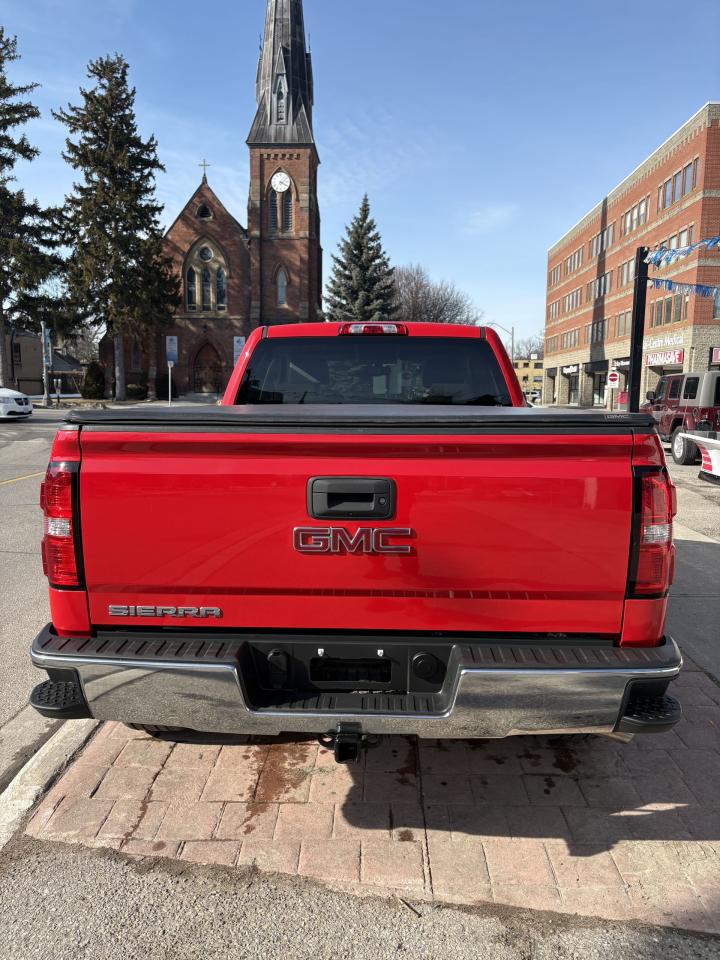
491	217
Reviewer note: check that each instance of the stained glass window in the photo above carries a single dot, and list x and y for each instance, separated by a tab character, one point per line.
282	282
191	289
221	289
206	289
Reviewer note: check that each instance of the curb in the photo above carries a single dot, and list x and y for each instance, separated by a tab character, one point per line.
39	772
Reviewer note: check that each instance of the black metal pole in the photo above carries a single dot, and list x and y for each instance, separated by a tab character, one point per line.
638	329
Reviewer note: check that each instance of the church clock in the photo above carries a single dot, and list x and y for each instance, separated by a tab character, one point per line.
280	182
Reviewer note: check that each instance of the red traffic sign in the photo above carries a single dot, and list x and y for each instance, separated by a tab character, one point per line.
613	379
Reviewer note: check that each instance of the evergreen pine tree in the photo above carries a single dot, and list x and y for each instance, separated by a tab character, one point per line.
117	276
362	285
27	234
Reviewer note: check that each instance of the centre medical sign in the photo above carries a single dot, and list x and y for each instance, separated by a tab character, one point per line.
665	358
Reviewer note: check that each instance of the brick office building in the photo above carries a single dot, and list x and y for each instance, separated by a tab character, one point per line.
670	200
235	279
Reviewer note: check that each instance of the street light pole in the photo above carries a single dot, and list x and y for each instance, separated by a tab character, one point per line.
511	334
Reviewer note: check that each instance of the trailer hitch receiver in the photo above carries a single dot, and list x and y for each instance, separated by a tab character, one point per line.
348	742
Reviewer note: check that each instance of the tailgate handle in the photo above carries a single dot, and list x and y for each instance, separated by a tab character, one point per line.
351	498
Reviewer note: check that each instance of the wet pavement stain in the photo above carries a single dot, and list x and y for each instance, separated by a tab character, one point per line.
286	768
549	785
565	759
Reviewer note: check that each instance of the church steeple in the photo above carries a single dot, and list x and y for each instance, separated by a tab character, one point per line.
284	79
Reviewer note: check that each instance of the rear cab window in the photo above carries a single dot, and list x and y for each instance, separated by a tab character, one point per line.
373	370
691	388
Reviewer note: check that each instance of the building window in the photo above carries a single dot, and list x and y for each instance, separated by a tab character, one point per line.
282	283
206	289
623	323
668	310
573	300
573	262
287	212
551	345
281	115
599	287
677	308
554	276
598	331
687	179
677	186
626	273
602	241
191	289
204	213
635	217
696	163
667	193
570	339
554	310
221	289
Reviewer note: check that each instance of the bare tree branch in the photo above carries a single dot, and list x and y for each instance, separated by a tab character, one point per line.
421	299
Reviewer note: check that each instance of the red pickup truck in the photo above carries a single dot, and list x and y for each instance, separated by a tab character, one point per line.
372	535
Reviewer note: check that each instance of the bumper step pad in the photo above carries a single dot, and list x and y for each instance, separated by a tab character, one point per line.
60	700
650	715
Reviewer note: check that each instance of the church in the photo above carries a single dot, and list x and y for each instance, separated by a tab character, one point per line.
235	278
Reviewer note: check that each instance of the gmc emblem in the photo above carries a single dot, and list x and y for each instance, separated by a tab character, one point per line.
364	540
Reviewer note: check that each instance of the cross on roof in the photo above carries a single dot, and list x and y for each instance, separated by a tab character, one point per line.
204	166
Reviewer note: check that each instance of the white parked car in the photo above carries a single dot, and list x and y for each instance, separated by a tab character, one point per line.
14	404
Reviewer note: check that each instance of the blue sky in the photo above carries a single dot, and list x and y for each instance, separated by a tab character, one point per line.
480	130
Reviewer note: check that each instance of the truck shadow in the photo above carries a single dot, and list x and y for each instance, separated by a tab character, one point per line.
593	793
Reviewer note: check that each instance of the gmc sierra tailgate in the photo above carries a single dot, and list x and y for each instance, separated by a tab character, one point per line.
484	520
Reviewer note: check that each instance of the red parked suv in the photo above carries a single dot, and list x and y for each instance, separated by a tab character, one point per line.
685	401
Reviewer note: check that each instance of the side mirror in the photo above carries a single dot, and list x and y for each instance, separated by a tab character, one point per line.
650	396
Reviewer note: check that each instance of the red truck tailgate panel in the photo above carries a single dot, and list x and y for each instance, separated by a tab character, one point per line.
519	533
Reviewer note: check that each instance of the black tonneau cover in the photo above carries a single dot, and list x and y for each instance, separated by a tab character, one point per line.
289	418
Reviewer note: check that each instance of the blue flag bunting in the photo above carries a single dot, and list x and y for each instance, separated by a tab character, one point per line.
663	256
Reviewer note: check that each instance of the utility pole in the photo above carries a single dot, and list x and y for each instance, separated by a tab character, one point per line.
638	329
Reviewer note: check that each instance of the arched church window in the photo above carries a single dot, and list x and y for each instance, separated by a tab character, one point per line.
272	210
287	211
206	289
191	289
282	283
221	289
281	112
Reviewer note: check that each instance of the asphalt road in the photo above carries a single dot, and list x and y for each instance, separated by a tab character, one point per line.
60	902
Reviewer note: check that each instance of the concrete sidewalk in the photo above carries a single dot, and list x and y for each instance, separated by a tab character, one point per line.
593	828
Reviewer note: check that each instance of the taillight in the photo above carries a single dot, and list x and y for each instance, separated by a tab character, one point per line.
373	329
654	554
58	499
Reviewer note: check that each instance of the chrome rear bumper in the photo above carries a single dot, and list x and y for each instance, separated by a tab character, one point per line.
491	689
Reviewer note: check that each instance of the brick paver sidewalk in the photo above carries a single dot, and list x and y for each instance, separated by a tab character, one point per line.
592	827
